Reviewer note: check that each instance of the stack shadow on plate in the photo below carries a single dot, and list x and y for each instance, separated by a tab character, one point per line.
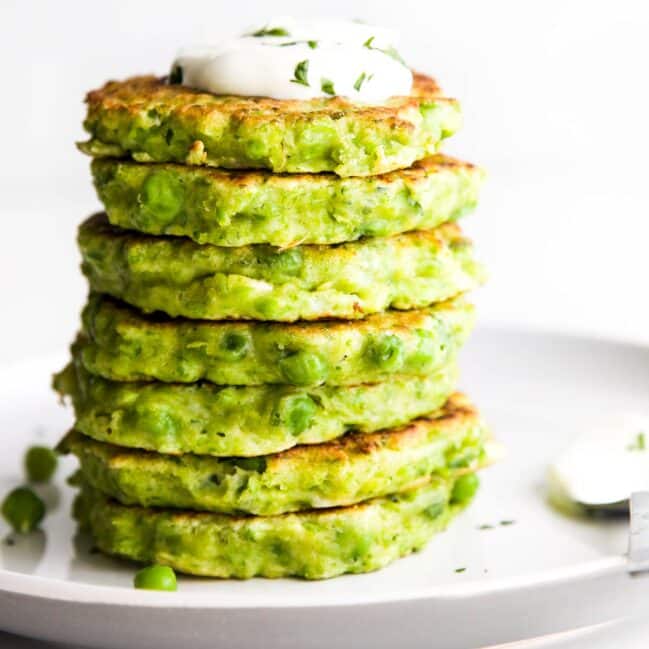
264	381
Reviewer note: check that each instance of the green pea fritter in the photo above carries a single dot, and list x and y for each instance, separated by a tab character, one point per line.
341	472
121	344
349	281
207	419
150	120
238	208
314	544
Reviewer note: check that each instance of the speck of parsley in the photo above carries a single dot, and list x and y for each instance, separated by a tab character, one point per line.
485	526
311	44
362	78
300	73
639	443
393	54
176	75
460	570
506	522
273	31
327	86
389	51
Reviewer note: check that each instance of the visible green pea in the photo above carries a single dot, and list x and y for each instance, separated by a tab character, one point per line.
162	195
465	488
156	419
296	412
287	262
268	308
426	351
386	352
23	510
156	578
303	368
282	551
40	463
234	345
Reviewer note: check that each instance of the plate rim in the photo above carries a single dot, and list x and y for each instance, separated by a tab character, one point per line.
55	589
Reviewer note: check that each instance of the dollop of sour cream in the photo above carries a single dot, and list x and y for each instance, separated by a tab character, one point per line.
290	59
604	465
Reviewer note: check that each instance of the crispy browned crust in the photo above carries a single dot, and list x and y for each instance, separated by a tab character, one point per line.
445	234
132	94
419	170
398	320
147	118
457	412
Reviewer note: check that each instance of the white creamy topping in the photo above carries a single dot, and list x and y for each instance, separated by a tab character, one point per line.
605	465
287	59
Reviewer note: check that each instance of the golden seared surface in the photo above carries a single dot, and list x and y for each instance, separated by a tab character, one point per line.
152	121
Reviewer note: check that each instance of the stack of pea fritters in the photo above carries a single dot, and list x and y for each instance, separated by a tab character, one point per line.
264	379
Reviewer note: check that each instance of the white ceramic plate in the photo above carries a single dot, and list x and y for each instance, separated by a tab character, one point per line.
545	572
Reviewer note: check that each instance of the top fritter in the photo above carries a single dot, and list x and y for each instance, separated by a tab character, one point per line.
297	97
153	121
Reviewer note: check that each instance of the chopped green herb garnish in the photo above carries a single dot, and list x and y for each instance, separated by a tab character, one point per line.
393	54
176	75
273	31
327	86
505	523
361	80
389	51
460	569
311	44
300	73
485	526
639	443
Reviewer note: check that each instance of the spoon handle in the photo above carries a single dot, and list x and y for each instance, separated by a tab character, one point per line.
639	532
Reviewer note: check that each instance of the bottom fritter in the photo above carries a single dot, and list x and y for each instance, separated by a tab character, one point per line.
315	544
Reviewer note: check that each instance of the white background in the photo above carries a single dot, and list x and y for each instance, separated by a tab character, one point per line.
556	107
